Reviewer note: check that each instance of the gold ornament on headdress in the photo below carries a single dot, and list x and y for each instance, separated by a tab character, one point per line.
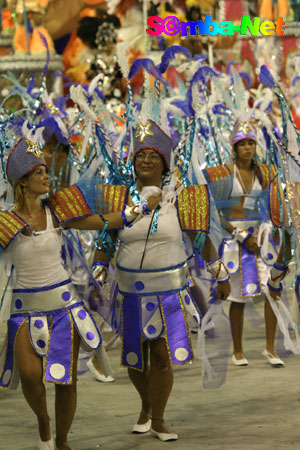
53	109
246	126
34	148
143	131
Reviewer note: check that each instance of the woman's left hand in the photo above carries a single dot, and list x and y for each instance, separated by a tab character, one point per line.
223	290
251	244
153	202
276	295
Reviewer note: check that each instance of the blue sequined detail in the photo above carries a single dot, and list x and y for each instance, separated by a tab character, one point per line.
151	329
41	343
139	285
18	304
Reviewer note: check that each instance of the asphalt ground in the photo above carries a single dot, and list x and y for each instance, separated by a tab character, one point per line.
256	409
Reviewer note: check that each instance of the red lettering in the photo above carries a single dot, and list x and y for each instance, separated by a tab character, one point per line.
157	23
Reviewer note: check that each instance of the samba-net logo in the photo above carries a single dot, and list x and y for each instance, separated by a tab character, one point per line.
171	26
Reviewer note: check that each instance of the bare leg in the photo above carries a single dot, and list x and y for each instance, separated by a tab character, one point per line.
161	382
101	362
236	314
97	365
65	402
271	324
31	374
140	381
199	298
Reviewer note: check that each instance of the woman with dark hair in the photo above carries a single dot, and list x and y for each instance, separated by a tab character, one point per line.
89	26
100	35
153	295
240	187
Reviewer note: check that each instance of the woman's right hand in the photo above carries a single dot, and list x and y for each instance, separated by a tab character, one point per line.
251	244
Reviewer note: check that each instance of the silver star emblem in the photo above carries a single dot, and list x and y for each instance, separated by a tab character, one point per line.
143	131
34	148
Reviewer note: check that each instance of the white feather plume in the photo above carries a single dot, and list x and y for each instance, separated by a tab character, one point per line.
33	134
78	95
122	49
172	109
198	106
93	84
111	6
264	96
297	65
239	90
62	127
225	95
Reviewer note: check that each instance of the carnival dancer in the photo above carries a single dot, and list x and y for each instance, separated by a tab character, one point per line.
48	319
152	295
253	254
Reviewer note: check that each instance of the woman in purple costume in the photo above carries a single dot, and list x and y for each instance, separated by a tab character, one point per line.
48	319
153	294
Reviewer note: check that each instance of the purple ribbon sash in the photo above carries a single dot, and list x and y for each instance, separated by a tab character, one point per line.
249	273
132	347
6	377
178	339
60	349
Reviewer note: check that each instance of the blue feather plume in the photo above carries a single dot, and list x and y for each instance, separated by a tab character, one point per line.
201	58
61	75
60	103
268	109
148	65
295	79
170	54
247	78
203	74
184	106
221	109
228	68
100	94
265	77
44	40
31	84
50	124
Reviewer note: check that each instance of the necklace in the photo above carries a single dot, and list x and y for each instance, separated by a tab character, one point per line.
246	191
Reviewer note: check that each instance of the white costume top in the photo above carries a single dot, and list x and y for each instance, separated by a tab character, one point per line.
164	248
238	191
37	259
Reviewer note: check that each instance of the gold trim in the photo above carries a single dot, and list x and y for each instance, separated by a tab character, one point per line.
185	322
166	337
50	326
72	346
